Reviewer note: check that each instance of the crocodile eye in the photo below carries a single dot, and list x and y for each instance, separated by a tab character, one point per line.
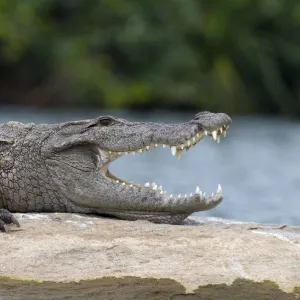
106	121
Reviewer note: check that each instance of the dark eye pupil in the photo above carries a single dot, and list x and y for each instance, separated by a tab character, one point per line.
105	122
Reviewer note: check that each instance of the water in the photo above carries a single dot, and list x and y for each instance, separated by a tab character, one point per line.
257	164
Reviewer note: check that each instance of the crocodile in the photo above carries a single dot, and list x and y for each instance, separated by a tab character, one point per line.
65	168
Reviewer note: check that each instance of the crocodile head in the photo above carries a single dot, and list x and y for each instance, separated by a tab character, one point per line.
79	155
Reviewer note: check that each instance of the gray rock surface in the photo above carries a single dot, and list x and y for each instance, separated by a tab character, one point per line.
64	256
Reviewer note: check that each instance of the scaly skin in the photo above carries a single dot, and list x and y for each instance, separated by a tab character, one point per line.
64	168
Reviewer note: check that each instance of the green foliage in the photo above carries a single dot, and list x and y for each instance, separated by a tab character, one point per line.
231	55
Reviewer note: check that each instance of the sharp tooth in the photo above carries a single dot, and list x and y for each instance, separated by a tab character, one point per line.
147	184
155	187
218	139
164	146
205	132
224	133
141	150
193	139
201	195
153	184
221	129
156	145
179	196
123	183
160	187
117	181
173	150
219	190
185	195
178	154
131	185
171	196
214	134
182	146
197	190
161	192
212	194
189	143
148	147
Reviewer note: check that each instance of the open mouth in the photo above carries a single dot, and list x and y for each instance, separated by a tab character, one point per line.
176	150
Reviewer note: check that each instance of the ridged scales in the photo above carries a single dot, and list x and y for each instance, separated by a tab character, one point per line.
64	167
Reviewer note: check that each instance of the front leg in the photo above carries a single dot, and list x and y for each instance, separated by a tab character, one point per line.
7	218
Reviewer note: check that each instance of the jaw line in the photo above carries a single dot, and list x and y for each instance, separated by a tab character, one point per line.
106	157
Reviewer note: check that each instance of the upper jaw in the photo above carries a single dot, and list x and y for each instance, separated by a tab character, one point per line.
177	147
137	137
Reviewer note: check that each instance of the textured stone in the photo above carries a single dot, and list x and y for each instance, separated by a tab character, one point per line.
64	256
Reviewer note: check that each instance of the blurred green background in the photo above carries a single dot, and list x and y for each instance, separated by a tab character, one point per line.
236	56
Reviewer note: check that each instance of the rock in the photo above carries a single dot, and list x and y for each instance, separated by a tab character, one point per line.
68	256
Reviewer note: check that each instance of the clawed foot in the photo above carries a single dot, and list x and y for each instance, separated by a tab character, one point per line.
7	218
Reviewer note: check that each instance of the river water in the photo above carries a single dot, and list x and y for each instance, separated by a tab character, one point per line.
257	164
